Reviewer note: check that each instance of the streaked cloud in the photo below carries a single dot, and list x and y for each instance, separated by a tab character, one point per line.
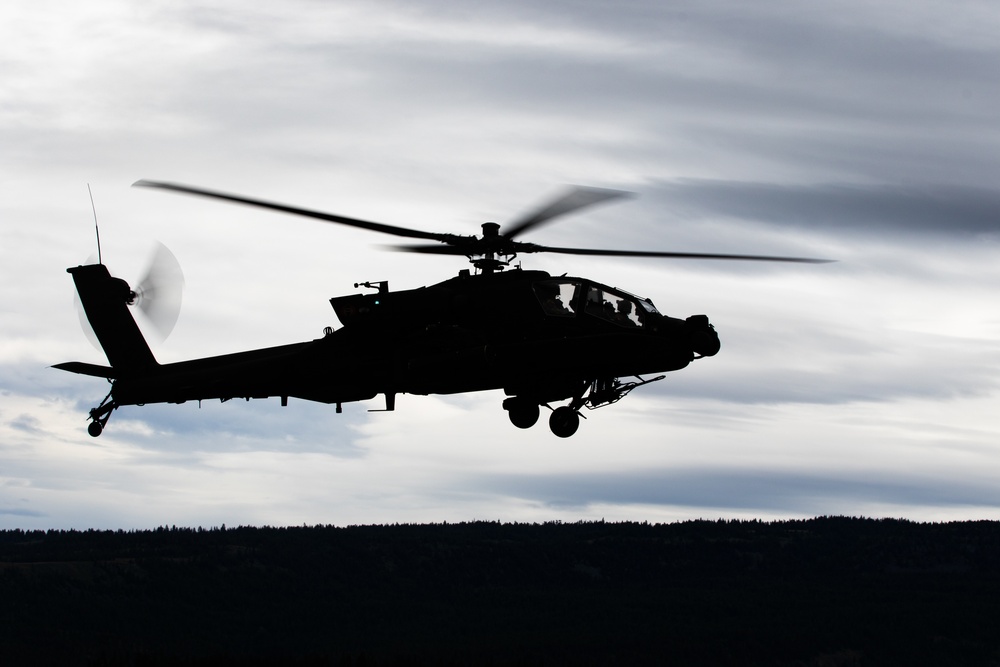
859	132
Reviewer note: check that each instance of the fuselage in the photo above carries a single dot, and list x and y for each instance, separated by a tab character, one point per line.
538	338
524	332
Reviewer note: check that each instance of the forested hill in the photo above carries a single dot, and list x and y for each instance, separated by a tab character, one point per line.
827	591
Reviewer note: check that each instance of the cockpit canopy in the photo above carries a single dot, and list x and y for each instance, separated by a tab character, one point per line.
572	297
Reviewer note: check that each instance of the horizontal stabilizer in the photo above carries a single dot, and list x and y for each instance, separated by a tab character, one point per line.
88	369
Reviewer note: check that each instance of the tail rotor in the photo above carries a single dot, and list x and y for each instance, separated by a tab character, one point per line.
158	295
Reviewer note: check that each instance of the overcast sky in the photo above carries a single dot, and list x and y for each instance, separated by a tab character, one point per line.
864	132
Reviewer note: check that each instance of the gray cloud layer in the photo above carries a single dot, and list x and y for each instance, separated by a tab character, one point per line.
865	132
869	209
795	493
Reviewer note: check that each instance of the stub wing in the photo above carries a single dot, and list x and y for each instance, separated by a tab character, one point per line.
94	370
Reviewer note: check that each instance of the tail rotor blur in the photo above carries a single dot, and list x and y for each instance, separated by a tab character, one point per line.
158	295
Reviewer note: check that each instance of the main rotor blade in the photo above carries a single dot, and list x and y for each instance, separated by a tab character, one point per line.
518	246
294	210
435	249
574	199
531	247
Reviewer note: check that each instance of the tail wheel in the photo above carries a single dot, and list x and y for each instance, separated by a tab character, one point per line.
100	415
564	421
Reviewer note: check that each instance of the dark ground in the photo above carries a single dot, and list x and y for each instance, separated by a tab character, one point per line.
824	592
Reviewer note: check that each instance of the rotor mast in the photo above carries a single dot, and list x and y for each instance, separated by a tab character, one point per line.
491	239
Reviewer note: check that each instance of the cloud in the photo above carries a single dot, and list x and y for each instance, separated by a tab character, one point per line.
25	422
856	131
811	367
878	210
238	425
19	512
756	490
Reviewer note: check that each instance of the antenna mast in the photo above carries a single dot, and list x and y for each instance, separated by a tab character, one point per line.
97	229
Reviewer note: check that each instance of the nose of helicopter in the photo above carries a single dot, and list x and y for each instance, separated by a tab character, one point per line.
703	336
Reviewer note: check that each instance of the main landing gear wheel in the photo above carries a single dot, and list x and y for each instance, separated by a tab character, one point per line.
564	421
522	412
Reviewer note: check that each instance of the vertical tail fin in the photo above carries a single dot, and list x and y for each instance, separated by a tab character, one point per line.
105	301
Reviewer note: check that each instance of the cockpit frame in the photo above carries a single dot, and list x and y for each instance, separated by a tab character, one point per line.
575	297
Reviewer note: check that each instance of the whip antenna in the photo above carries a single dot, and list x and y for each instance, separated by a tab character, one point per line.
97	229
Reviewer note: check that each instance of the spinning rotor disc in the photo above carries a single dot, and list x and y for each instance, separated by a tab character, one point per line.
492	250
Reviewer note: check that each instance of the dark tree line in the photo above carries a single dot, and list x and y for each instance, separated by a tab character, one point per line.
827	591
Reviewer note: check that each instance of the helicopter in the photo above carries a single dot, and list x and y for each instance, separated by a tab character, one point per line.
541	339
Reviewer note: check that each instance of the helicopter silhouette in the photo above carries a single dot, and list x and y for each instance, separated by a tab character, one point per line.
539	338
